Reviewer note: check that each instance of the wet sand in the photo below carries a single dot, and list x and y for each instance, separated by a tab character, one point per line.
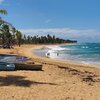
59	80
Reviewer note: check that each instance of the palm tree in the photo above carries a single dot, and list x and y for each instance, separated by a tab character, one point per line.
3	11
6	30
19	37
6	35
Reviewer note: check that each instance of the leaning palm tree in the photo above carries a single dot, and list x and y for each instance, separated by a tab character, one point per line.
6	36
6	29
2	11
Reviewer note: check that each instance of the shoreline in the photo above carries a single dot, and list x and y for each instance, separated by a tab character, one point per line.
64	61
58	81
30	53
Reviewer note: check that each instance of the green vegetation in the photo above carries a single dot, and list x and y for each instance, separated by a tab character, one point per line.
8	33
19	37
44	40
3	11
9	36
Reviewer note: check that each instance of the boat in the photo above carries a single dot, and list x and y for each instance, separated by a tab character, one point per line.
4	66
28	66
14	59
11	63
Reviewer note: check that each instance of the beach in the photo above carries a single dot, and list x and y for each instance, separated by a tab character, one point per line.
59	80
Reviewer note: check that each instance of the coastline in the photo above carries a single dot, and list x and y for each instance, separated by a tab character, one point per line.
41	52
28	51
69	78
72	63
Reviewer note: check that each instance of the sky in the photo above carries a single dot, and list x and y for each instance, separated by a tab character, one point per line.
68	19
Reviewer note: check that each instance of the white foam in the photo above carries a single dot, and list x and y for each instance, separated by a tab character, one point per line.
53	51
84	47
56	48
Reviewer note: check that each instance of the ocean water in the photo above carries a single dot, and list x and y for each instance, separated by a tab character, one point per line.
87	53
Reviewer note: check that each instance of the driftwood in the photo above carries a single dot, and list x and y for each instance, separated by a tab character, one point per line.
27	66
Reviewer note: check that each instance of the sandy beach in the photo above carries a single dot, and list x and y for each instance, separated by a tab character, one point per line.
59	80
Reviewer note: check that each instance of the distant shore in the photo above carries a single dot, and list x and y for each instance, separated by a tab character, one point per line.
67	79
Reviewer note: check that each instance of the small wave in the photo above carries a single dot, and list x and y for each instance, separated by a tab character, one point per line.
53	51
83	53
84	47
57	48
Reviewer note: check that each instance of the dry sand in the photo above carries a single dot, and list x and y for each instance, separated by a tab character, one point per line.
58	80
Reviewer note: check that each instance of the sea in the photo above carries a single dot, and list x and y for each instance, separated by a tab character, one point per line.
85	53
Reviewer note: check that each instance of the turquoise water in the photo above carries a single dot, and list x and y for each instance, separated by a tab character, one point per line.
88	50
87	53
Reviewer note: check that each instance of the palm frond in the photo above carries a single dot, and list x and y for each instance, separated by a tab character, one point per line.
3	11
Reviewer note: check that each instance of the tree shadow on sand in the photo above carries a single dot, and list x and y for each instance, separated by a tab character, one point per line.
19	81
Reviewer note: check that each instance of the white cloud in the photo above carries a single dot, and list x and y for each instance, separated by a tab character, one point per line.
1	1
67	33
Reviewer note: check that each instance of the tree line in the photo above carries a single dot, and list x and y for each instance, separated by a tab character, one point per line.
44	40
10	36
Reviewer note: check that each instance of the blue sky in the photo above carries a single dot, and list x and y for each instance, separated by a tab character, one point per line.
69	19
